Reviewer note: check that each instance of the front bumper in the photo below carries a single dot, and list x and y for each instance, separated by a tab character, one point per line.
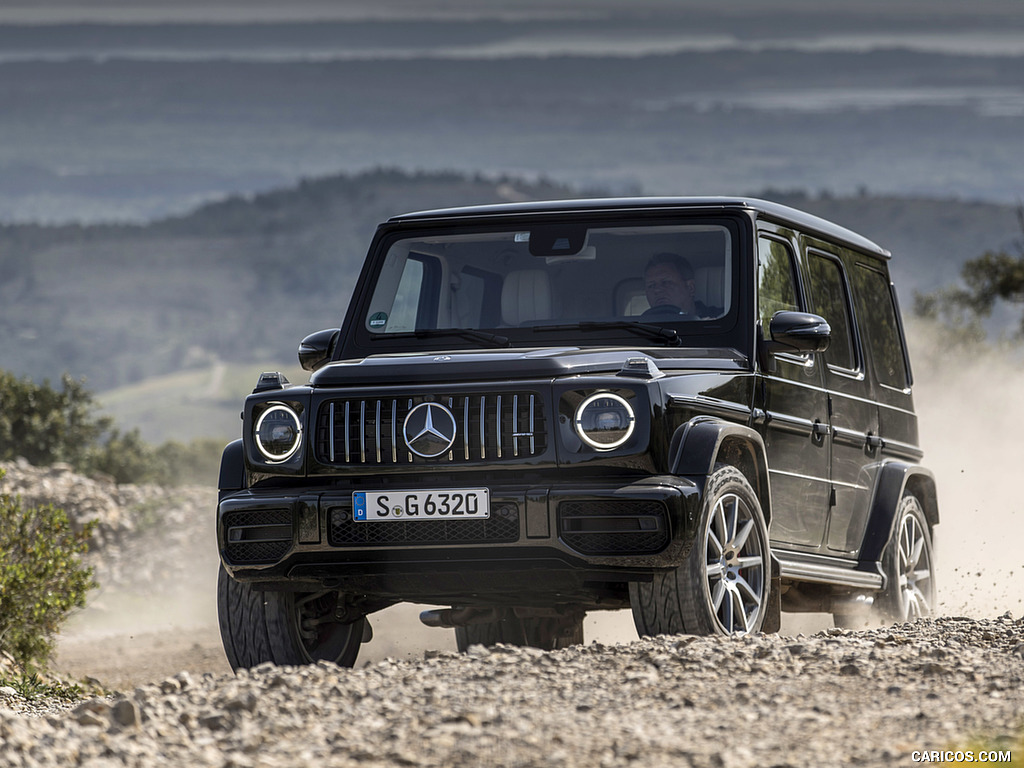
539	537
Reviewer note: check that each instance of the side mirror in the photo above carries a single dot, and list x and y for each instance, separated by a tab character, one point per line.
798	332
317	348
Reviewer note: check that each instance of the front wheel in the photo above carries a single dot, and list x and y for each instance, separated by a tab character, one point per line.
286	628
908	563
722	588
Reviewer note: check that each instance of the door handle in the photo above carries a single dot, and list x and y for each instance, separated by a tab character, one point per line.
820	429
874	441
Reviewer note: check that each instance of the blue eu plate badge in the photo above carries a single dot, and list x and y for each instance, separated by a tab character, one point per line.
359	506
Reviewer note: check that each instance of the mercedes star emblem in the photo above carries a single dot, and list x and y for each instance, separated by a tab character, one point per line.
429	430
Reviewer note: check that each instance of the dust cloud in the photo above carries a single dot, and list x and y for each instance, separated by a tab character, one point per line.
971	417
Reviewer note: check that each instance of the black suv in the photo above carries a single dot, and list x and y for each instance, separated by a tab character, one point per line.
697	408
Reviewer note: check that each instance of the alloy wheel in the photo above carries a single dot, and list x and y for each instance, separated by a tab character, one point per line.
735	565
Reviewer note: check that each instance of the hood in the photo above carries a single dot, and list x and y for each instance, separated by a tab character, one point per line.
509	364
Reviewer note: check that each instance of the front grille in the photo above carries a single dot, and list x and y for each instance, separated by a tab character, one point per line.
501	527
495	426
257	536
606	527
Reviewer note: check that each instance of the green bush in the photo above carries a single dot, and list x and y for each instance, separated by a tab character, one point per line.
126	457
129	459
45	425
42	577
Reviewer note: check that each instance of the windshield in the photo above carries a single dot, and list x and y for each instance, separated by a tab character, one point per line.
518	282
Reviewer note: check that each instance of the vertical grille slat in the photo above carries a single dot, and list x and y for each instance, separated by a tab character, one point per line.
394	432
533	430
377	425
493	426
498	425
483	427
465	426
362	431
330	433
515	425
348	434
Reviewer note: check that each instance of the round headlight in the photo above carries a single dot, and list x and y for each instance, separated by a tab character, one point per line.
278	433
604	421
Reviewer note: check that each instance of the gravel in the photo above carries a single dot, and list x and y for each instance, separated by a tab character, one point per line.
836	698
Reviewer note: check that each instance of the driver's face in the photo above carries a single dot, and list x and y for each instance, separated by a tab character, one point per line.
664	285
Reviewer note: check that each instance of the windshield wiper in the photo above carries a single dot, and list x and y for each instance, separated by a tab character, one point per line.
463	333
668	335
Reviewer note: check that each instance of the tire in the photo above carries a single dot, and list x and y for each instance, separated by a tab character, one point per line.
723	587
257	627
909	565
546	632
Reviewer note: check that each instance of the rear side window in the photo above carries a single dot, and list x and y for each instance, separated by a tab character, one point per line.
877	308
832	302
776	280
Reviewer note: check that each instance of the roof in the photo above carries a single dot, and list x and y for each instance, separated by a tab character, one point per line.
801	220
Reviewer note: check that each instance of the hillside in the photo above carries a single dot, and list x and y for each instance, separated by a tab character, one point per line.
245	279
238	280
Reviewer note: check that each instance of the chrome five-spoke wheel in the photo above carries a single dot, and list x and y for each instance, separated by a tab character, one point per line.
736	565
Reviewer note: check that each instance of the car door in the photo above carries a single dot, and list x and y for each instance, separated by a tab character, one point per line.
853	414
795	408
888	363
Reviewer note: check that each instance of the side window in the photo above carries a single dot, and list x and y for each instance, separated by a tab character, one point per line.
407	297
776	280
831	300
415	301
878	310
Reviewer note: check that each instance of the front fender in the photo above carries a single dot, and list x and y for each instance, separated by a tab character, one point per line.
701	443
232	468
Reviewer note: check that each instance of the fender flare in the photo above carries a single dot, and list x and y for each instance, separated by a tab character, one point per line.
896	478
704	441
232	468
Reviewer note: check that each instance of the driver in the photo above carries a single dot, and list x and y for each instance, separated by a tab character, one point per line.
669	285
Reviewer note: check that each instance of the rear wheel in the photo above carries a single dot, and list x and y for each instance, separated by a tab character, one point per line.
722	588
547	632
908	563
286	628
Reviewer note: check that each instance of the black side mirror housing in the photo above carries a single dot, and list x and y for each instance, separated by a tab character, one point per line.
799	332
793	332
317	348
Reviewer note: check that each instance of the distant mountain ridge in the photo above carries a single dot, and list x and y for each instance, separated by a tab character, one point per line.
246	278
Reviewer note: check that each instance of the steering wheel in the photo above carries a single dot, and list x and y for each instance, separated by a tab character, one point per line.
663	311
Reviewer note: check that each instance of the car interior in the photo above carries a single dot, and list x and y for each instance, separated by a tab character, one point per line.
497	280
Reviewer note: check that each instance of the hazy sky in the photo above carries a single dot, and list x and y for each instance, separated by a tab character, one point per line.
56	11
132	119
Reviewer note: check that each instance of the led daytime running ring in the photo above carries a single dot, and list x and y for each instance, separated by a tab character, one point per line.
581	432
275	458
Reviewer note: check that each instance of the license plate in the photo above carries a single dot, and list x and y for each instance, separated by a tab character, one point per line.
387	506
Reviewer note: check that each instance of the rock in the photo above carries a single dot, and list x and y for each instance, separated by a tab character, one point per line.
94	712
126	714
